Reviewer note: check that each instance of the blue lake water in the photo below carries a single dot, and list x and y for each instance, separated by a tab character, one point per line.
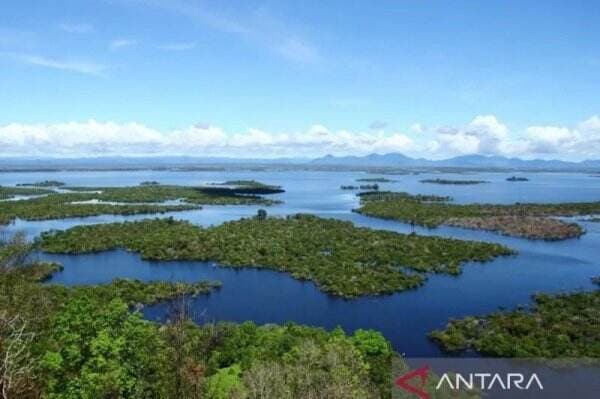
405	318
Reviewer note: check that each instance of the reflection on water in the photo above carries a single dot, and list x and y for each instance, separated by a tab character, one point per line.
405	318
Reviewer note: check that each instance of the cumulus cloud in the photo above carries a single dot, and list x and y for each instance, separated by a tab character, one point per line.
485	135
98	138
488	136
417	128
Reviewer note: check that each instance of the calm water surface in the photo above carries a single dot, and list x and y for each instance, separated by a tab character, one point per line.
405	318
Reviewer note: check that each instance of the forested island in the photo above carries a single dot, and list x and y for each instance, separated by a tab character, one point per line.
45	183
453	182
558	326
517	179
369	187
93	201
338	257
11	192
528	220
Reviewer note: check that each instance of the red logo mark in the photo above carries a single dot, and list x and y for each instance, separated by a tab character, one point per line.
423	374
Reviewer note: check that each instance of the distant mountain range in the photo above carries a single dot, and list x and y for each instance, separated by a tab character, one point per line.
465	161
391	160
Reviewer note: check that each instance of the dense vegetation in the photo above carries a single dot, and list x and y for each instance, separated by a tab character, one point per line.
453	182
143	199
370	187
341	259
59	206
560	326
45	183
205	195
10	192
84	342
521	220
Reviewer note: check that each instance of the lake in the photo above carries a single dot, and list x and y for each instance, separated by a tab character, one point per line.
272	297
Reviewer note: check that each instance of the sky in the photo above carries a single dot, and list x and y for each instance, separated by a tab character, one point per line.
304	78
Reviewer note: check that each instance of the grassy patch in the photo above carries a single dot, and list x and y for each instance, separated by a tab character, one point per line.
340	258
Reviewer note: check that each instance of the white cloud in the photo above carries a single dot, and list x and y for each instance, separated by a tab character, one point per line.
97	138
79	28
122	43
183	46
486	135
83	67
417	128
483	135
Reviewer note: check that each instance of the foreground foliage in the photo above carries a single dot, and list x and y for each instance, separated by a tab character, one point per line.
84	342
521	220
565	325
341	259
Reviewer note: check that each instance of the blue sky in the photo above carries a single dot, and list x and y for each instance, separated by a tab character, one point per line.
404	75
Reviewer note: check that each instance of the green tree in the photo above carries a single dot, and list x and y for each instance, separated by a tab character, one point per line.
103	351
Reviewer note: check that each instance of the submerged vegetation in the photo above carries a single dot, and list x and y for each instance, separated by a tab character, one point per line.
521	220
454	182
85	342
340	258
564	325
